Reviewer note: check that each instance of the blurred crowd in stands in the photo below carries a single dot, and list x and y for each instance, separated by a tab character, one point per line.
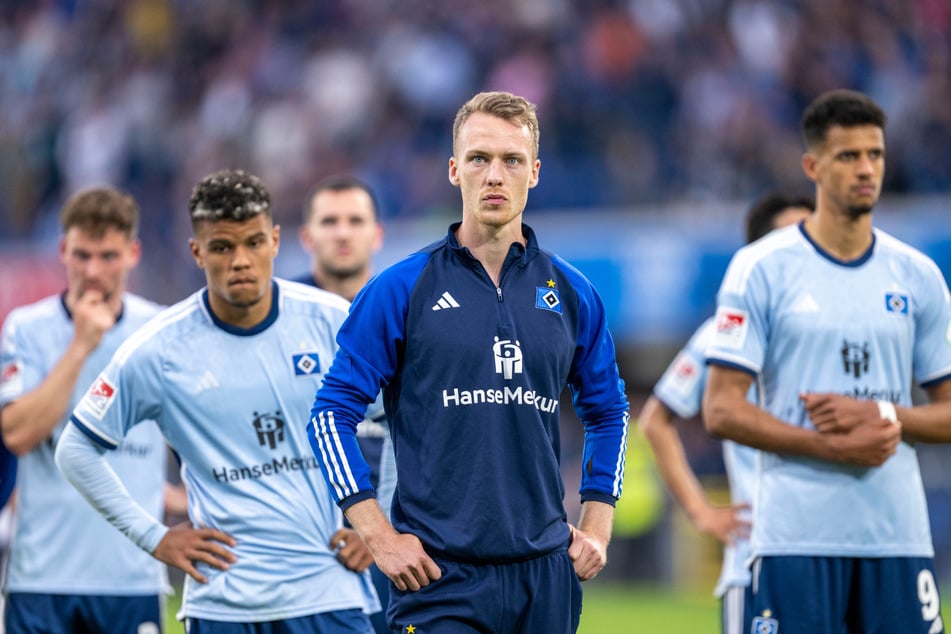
641	101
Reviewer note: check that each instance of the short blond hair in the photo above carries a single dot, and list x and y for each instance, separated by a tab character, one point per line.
504	105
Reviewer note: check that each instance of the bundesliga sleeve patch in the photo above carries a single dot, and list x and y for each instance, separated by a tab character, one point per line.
10	372
685	374
732	325
100	397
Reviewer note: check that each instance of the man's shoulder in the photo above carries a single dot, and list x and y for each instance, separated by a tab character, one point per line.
140	307
299	294
894	248
173	323
38	313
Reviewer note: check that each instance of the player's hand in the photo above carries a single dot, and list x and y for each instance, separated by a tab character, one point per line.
401	558
724	523
588	554
184	546
351	551
92	317
868	445
836	413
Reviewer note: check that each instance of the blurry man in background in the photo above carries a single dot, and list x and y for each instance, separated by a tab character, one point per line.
342	231
69	570
679	394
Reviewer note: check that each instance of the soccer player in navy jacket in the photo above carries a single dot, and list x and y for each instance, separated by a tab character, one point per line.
473	339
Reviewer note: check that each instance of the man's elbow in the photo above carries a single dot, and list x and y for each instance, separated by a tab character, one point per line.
19	441
716	415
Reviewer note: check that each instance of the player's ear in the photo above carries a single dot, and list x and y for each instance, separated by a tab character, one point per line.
276	235
535	169
196	252
809	161
453	171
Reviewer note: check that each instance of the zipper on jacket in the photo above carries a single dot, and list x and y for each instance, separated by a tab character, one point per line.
498	290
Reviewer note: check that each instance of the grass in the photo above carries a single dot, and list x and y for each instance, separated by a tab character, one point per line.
623	608
615	608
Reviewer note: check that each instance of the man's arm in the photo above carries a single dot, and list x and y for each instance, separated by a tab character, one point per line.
930	422
31	418
589	542
727	413
722	522
399	555
85	466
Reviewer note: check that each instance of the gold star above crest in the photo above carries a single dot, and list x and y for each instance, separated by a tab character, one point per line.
551	283
411	629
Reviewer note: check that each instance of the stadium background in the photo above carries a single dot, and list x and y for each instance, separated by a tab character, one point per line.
661	120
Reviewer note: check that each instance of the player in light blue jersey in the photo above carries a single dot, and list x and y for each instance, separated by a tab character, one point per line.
69	571
678	394
835	321
228	374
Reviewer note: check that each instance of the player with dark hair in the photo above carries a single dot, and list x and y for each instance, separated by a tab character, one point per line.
835	320
473	339
69	571
342	231
227	374
775	210
679	393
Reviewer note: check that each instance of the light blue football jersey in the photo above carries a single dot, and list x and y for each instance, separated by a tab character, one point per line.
234	403
62	545
803	321
681	389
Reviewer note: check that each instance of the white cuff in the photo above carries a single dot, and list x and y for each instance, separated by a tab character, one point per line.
886	409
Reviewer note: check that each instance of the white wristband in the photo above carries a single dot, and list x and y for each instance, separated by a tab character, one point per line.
886	409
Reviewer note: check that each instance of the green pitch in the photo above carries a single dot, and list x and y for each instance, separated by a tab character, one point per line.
617	609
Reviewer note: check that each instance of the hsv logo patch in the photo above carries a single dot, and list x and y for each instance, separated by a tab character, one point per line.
100	396
732	326
306	363
764	625
896	303
547	299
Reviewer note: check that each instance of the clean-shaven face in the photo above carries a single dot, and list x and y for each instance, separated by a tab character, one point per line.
494	167
238	259
342	232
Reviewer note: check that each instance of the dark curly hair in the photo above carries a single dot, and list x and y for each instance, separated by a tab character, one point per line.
229	195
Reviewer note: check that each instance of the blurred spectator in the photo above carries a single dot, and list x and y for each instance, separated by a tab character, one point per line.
645	101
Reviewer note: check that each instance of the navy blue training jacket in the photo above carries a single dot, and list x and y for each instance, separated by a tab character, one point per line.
472	375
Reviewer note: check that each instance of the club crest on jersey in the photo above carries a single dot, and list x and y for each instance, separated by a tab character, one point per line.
306	363
100	397
732	324
547	299
896	303
764	625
